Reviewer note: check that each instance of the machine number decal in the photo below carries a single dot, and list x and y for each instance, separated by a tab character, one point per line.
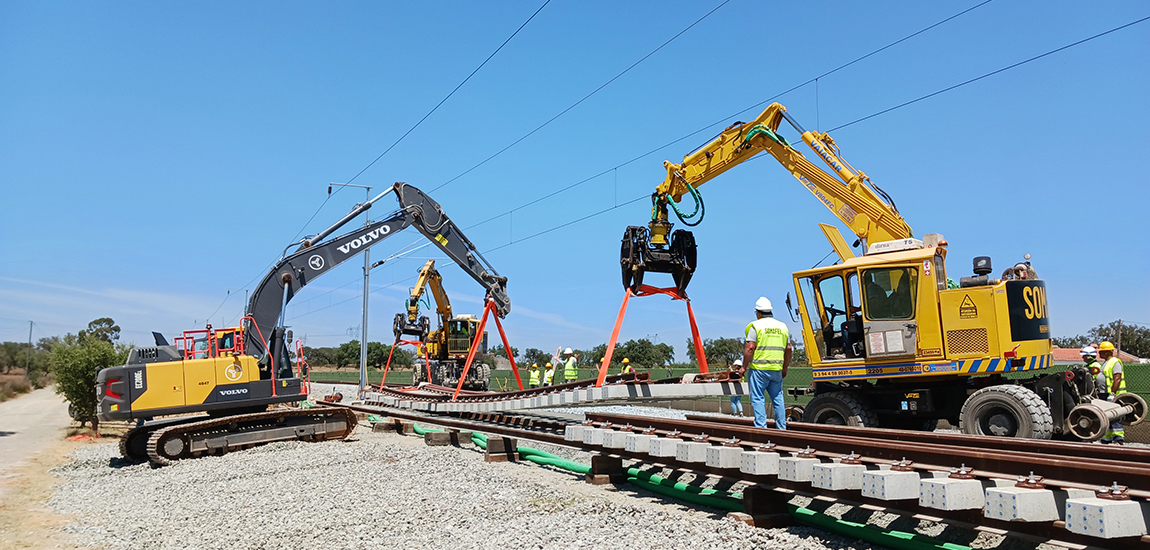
967	309
138	379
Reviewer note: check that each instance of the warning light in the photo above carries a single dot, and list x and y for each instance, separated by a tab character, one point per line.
115	407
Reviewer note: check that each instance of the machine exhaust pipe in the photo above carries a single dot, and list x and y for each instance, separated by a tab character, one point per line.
1090	421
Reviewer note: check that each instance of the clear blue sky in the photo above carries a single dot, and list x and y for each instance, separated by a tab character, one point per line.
155	156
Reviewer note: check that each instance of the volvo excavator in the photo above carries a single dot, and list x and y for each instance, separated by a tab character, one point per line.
230	376
891	340
446	347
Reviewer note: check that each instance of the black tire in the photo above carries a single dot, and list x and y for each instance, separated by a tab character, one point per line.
1006	411
841	408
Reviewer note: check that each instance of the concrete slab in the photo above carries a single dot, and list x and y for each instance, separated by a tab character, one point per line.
593	436
573	433
663	446
890	485
692	451
759	463
1103	518
614	439
951	494
838	477
793	468
1020	504
638	443
724	457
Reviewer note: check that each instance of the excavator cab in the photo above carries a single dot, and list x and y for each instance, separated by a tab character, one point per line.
461	333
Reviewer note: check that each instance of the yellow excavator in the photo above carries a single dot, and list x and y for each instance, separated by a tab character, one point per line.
447	346
893	342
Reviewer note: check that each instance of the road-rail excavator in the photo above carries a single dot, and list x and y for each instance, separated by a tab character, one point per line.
446	347
234	374
891	340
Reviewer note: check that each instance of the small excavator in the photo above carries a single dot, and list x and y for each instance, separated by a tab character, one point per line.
892	341
447	346
230	376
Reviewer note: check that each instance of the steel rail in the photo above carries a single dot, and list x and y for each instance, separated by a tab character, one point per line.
1045	446
992	463
491	423
472	396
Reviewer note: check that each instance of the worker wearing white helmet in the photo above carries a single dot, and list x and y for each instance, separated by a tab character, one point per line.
737	400
768	354
1089	359
570	370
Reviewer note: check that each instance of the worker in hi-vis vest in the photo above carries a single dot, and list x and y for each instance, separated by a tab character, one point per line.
548	374
767	355
1115	384
533	381
626	366
570	371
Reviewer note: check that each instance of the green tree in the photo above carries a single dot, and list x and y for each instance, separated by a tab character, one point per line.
103	328
537	356
1135	339
1071	342
320	356
377	354
500	352
75	361
348	354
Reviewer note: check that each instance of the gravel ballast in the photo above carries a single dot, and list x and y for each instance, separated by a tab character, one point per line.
381	490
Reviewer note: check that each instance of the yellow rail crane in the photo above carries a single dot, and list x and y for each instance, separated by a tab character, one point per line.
892	342
447	346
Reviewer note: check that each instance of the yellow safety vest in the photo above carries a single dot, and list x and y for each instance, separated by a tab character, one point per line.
771	338
534	380
1108	370
627	368
548	376
569	370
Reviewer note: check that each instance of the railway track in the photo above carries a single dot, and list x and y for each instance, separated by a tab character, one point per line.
1062	470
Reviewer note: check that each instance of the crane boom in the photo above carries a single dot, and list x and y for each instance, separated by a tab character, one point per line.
850	196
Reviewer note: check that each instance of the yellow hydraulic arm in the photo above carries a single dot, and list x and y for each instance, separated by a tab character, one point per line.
852	197
429	278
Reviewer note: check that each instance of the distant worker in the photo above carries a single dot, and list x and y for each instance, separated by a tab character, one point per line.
548	375
570	370
1089	354
768	352
626	366
737	400
1115	384
533	381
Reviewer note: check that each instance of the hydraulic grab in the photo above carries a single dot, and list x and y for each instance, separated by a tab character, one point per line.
233	374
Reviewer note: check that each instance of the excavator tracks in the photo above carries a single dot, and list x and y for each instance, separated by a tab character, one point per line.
229	433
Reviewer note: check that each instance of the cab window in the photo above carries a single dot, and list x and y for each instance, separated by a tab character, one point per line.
890	294
833	298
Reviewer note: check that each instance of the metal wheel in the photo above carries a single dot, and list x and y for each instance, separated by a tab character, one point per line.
630	257
172	447
795	413
1006	411
840	408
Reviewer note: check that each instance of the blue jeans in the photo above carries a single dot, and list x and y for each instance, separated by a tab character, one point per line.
737	404
765	382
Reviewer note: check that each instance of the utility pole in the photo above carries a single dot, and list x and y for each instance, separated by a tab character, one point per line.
1118	341
366	279
28	361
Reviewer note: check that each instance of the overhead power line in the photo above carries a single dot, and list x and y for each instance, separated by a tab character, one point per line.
991	73
584	98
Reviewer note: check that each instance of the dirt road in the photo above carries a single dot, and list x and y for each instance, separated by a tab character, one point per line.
29	425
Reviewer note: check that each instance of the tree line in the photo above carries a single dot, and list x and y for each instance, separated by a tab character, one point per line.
1135	339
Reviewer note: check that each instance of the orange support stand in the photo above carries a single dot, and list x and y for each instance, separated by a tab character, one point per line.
417	344
646	290
487	310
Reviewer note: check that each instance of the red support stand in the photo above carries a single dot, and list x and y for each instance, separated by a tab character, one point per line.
489	309
418	345
649	291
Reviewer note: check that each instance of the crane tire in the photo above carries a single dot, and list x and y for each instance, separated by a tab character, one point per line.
843	408
1006	411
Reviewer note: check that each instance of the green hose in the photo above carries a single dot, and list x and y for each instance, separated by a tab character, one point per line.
899	540
421	430
680	486
722	503
762	129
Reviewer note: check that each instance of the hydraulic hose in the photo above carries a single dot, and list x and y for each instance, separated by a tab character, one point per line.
899	540
421	430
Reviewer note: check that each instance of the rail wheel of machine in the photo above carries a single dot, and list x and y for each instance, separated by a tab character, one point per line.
683	248
1006	411
840	408
795	413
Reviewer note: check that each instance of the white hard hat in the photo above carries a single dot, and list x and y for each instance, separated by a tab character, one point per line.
1089	350
738	362
763	305
567	351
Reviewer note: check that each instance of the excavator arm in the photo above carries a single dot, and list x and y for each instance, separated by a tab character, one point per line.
848	193
412	323
315	258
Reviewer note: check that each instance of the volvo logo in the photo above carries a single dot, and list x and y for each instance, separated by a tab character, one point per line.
316	262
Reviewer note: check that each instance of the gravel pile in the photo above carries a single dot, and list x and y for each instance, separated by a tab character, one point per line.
381	491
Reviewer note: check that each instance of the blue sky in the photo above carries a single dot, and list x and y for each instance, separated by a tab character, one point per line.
156	156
